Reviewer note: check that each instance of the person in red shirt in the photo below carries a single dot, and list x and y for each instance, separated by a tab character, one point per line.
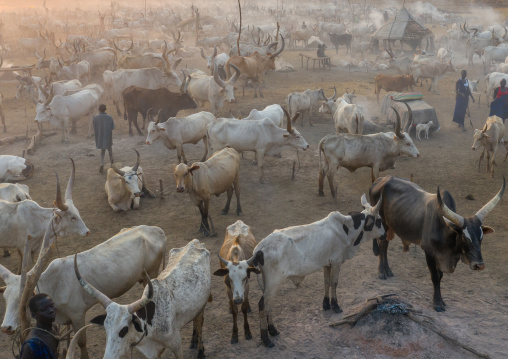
501	90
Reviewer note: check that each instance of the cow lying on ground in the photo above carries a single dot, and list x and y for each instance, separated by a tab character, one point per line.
219	174
295	252
378	151
177	131
11	192
489	137
430	221
125	186
393	83
238	246
14	168
152	324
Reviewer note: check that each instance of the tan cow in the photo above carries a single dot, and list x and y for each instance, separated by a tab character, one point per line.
125	186
235	266
253	67
489	137
215	176
393	83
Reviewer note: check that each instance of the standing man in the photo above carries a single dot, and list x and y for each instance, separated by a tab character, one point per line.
499	106
42	341
103	126
463	91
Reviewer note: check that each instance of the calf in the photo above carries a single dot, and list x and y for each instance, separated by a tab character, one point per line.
430	221
238	246
295	252
152	324
489	137
125	186
177	131
393	83
423	127
219	174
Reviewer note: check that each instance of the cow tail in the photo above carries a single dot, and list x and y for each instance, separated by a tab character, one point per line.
207	135
357	125
320	149
289	105
124	111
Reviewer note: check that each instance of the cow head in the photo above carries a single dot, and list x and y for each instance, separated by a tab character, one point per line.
183	176
402	139
327	104
66	221
238	274
410	80
154	128
478	137
121	322
270	57
43	108
210	60
292	137
131	177
228	88
41	62
470	230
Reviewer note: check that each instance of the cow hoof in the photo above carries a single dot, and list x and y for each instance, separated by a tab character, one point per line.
238	213
326	303
335	306
389	273
382	276
254	163
234	340
224	212
272	330
201	353
439	308
248	336
321	194
131	134
249	310
101	169
193	345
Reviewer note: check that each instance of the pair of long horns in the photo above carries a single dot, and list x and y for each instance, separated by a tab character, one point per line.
214	52
135	168
290	121
278	52
185	83
104	300
250	261
365	204
59	203
220	81
398	133
334	94
481	214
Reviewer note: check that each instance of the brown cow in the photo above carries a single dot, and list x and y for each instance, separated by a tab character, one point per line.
393	83
253	67
236	264
138	99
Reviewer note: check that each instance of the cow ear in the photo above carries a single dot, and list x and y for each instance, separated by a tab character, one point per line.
162	128
487	136
285	135
193	168
99	319
137	324
487	230
253	269
221	272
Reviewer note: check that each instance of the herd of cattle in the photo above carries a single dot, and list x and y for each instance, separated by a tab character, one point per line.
141	73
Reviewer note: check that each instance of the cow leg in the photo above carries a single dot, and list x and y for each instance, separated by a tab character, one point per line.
321	180
3	119
198	327
203	218
77	324
260	157
228	202
234	312
205	142
329	176
334	280
435	275
117	108
383	269
176	344
236	184
326	299
245	310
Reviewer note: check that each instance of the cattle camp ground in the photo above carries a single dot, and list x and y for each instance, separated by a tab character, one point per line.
474	324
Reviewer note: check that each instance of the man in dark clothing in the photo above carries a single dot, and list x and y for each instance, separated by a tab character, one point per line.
42	342
463	91
103	126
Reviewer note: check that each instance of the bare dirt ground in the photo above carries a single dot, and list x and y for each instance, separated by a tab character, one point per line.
477	311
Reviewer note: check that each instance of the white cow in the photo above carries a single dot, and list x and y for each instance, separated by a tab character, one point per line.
296	252
303	102
493	54
220	59
273	112
61	109
489	138
79	71
14	192
176	297
347	117
177	131
26	219
140	248
58	88
445	55
125	186
263	137
14	168
213	89
431	69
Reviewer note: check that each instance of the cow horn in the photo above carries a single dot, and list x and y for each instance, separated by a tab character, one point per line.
175	64
187	83
96	294
335	94
119	171
485	210
70	184
505	32
235	77
132	45
37	55
465	28
347	91
182	86
225	262
250	261
50	97
59	203
116	47
145	299
135	168
448	213
278	52
397	124
409	114
217	78
44	92
214	51
377	207
203	53
288	119
74	342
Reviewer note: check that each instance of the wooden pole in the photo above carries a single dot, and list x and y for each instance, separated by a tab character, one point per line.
161	189
239	29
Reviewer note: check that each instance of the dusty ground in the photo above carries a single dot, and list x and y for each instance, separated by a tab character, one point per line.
477	311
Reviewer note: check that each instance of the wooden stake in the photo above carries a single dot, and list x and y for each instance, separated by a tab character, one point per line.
161	189
239	29
293	173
